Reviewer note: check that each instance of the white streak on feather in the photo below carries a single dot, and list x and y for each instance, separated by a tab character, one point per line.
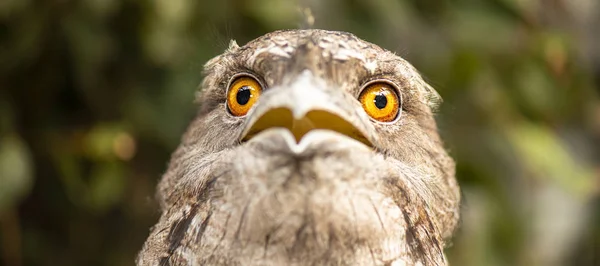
233	46
273	49
371	66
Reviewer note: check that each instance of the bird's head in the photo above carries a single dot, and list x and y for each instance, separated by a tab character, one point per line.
309	147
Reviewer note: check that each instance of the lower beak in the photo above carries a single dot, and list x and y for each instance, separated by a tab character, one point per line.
308	104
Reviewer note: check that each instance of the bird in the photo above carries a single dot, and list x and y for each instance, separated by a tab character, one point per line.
309	147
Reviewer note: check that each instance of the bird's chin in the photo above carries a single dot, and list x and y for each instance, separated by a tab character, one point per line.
316	201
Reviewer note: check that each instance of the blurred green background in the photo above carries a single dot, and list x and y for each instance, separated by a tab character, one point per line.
95	94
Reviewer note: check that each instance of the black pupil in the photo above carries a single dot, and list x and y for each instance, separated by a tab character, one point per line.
380	101
243	95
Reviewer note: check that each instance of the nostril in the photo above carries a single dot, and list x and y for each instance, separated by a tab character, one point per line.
316	119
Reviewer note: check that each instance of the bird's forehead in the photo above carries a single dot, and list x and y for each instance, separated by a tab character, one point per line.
329	45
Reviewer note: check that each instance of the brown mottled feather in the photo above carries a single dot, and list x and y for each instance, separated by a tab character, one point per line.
229	203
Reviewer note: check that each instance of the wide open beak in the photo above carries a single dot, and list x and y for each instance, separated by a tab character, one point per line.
308	104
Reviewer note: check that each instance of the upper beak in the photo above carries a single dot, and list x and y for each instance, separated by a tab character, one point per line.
306	104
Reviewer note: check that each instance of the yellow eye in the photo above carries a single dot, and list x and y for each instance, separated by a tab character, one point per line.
380	101
242	94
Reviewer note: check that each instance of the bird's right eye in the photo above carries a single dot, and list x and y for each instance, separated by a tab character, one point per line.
242	94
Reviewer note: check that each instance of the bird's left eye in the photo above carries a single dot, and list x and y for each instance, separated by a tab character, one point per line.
242	94
380	101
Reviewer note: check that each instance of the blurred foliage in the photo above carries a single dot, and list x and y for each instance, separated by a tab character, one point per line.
95	94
